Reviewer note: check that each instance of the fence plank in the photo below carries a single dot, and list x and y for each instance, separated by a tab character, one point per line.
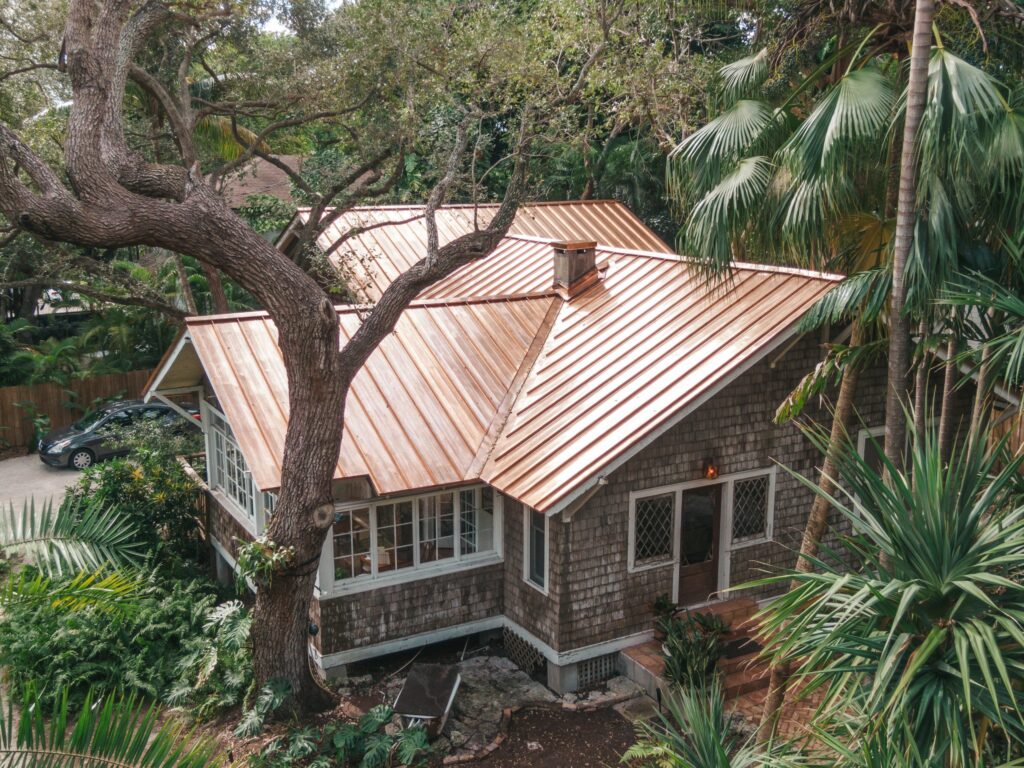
62	404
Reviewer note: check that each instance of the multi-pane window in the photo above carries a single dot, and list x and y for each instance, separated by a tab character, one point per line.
750	508
437	527
393	535
228	472
352	542
655	519
536	547
476	517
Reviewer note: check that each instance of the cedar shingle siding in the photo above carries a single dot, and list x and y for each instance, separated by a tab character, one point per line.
591	596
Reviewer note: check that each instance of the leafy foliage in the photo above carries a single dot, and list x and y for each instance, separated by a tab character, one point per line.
365	744
693	644
117	730
77	536
694	732
215	666
89	648
828	373
926	636
260	559
268	698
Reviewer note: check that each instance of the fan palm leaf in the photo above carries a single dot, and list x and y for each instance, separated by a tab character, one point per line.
74	537
117	731
744	76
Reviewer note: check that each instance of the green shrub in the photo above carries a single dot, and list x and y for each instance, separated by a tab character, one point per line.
365	744
693	644
90	648
215	667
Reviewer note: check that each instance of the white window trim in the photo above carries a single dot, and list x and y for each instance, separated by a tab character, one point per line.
677	506
255	524
527	512
370	581
865	434
728	546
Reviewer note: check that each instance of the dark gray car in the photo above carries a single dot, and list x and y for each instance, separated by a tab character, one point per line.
83	443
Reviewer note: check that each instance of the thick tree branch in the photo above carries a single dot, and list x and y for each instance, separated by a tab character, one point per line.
180	129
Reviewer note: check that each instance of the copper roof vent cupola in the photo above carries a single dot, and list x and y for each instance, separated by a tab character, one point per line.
575	266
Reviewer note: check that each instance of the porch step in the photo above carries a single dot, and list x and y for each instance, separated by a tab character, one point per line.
736	613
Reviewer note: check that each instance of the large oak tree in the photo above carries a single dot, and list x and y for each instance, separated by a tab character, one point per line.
462	66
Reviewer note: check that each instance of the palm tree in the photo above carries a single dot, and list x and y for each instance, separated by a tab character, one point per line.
81	555
926	636
759	180
115	732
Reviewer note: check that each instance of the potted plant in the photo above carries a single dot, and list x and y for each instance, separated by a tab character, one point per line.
664	609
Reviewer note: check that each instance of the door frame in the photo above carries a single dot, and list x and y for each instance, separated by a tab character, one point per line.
724	522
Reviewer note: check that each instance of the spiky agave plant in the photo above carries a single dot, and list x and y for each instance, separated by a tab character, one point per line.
116	731
925	634
695	732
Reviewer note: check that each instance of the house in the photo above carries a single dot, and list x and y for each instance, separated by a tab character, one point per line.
552	437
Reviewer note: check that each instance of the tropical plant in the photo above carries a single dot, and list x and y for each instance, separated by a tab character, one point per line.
365	744
695	732
268	699
136	650
117	730
215	669
79	555
926	636
693	644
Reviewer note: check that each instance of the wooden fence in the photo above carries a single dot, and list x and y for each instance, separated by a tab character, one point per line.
62	404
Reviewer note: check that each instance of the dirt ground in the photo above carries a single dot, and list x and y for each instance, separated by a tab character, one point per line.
562	739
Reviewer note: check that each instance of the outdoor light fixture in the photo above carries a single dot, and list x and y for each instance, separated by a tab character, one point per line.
708	469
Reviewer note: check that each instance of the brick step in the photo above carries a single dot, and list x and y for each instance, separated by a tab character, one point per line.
747	661
743	681
736	613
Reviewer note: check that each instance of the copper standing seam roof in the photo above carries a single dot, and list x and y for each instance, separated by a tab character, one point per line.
371	260
532	394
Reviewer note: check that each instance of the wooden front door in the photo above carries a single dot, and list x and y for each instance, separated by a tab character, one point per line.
698	547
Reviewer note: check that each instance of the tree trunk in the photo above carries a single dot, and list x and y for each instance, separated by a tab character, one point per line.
216	286
946	414
921	382
982	387
906	214
186	290
814	531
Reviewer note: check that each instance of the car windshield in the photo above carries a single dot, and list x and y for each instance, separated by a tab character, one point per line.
89	421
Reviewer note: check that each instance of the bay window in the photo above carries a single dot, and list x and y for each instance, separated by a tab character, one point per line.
229	475
392	539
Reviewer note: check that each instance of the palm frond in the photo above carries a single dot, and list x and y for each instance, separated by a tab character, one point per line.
216	131
76	536
723	212
982	298
863	294
828	373
118	731
744	76
107	591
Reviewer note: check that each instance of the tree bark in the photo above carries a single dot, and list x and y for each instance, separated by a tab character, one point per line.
921	382
906	214
981	393
946	413
814	530
183	285
216	287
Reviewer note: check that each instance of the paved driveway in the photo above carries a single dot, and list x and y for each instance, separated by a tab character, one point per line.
26	477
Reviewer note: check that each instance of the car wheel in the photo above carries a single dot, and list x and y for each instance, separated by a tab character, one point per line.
81	459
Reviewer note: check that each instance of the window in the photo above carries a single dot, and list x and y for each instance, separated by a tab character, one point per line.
653	526
750	509
352	540
869	446
228	473
227	469
535	548
390	537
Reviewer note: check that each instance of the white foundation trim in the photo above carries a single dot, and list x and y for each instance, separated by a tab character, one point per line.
557	658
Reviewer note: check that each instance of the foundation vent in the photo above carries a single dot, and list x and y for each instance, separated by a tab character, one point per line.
522	653
597	670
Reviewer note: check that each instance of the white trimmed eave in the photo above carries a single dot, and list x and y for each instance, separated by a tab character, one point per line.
575	499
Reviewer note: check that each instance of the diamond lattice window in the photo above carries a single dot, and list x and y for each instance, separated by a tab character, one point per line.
750	508
654	517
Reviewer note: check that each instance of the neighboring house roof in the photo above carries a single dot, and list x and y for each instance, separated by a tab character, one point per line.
534	394
396	235
258	177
